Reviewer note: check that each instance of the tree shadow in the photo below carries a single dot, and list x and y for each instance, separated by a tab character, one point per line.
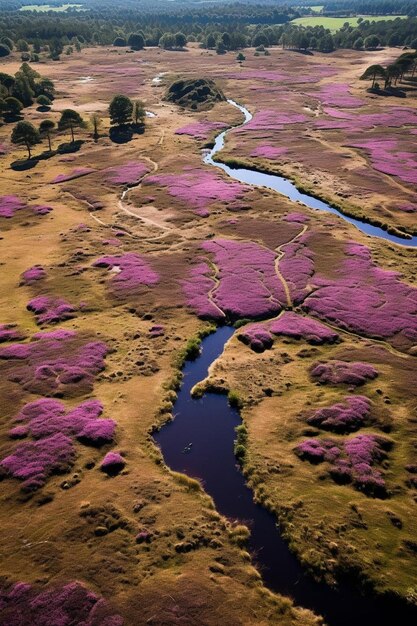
43	109
69	147
388	91
121	134
24	164
10	118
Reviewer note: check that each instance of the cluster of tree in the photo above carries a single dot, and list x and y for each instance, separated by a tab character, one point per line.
406	64
122	111
20	90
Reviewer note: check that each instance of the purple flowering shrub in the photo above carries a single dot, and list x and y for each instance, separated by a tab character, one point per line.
34	461
257	337
260	336
351	460
10	332
51	309
349	415
200	130
128	174
112	464
298	218
45	417
354	373
366	299
129	272
199	188
22	604
11	205
60	362
77	173
32	275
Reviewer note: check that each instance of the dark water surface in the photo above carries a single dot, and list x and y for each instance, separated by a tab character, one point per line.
209	425
288	189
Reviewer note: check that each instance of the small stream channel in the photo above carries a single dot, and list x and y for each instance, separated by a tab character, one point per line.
209	423
199	443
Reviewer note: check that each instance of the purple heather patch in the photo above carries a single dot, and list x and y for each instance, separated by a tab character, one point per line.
248	285
268	152
366	299
350	414
297	267
197	289
60	361
45	417
338	95
200	130
128	174
293	325
51	309
112	464
268	119
393	117
199	188
32	275
24	605
34	461
10	205
386	157
77	173
289	324
354	462
10	332
299	218
130	272
353	373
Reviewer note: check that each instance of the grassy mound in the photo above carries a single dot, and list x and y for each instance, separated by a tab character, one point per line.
195	94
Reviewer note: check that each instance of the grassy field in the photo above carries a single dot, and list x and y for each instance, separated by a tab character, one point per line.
43	8
335	23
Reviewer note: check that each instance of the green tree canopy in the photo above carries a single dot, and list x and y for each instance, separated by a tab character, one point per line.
25	133
70	119
136	41
120	110
45	128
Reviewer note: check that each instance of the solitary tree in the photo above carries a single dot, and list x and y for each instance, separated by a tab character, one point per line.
139	112
136	41
95	121
372	41
70	119
119	42
240	57
373	72
25	133
45	128
180	40
120	110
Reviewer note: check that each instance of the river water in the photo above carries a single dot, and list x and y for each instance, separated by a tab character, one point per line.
288	189
199	443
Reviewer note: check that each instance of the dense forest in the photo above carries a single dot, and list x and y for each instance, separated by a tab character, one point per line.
218	25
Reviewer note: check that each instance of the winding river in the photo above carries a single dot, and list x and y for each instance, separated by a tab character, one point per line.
288	189
199	443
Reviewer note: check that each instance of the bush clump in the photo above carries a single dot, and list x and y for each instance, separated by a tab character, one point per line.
195	94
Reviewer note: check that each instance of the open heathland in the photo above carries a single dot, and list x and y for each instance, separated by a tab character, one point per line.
120	249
